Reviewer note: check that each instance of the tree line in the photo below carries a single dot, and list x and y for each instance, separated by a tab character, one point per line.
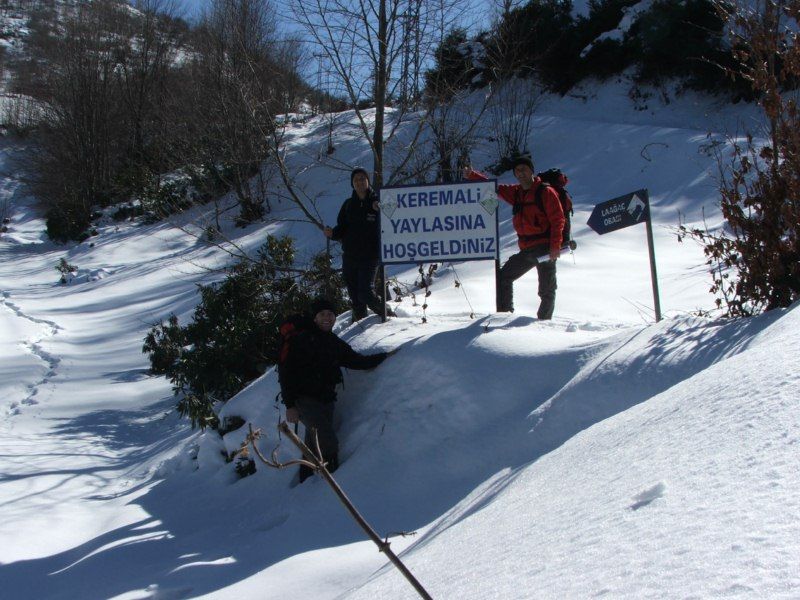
133	103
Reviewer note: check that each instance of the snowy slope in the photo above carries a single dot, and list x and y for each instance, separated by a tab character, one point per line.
597	453
689	493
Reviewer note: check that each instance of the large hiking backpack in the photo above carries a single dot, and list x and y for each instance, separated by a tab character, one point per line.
555	179
558	181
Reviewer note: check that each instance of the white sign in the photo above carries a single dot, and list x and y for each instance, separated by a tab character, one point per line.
439	222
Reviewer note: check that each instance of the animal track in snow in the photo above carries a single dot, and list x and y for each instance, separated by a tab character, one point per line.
649	495
36	349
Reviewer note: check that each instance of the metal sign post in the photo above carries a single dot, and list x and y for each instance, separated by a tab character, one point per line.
624	211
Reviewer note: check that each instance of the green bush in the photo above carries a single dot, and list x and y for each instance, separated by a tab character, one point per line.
454	66
233	335
164	343
68	221
681	39
673	39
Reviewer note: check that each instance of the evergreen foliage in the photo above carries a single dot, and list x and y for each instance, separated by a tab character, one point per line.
454	66
233	334
607	56
533	39
681	39
68	221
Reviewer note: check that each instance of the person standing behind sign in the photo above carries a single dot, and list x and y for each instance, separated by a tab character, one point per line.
539	222
358	229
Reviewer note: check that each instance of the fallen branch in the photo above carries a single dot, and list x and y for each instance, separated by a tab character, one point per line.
313	461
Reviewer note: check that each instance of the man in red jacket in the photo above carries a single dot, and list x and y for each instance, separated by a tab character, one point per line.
539	223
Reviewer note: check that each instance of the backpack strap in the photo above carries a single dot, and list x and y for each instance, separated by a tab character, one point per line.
540	199
539	196
539	202
519	204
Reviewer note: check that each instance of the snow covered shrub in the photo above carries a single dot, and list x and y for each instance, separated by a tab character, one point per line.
67	270
233	334
755	259
169	197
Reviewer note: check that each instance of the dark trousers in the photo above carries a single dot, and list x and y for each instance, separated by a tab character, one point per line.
359	276
317	418
519	264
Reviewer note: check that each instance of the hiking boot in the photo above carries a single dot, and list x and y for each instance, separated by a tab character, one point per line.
332	463
304	473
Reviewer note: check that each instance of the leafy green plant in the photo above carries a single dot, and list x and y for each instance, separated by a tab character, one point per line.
66	270
234	334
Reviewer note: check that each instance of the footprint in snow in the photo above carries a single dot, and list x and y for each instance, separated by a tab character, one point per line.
646	497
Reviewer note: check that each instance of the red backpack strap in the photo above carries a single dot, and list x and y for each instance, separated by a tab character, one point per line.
287	331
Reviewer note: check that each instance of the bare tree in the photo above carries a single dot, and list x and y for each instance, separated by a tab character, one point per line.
515	54
755	259
74	165
153	38
377	50
242	75
453	107
511	116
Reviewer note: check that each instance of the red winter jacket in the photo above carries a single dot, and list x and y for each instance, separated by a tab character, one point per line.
533	227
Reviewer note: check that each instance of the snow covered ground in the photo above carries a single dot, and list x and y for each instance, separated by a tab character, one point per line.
596	454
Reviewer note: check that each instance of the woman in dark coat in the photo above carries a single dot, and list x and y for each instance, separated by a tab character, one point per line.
358	229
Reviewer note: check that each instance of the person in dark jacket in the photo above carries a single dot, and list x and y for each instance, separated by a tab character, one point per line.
358	229
309	376
538	219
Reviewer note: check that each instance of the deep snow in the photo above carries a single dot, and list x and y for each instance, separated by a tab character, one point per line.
597	454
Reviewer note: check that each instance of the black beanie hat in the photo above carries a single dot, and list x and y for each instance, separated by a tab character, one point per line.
522	160
355	172
320	304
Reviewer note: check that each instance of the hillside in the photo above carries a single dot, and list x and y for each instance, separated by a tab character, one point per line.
599	453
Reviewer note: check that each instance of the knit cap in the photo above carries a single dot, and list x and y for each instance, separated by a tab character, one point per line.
320	304
355	172
522	160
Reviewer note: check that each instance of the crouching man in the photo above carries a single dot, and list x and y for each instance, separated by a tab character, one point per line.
309	376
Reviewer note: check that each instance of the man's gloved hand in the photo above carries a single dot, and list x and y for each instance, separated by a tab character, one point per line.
292	415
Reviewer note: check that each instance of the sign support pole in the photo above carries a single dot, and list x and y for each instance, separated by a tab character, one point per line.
382	283
651	249
497	285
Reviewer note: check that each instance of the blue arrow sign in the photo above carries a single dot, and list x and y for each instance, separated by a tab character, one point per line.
621	212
